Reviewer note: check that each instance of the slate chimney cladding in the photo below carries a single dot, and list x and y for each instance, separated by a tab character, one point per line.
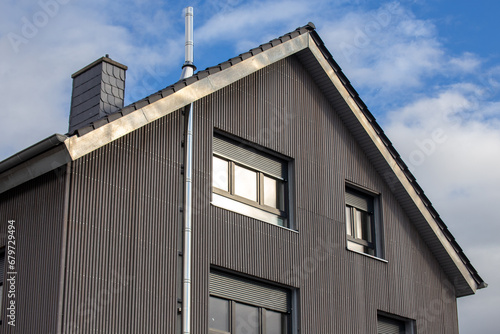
98	90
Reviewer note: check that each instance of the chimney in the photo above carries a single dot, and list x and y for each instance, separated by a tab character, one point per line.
98	90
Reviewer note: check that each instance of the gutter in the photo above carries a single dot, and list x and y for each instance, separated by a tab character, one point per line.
32	151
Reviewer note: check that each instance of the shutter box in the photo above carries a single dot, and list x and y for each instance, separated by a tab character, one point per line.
249	291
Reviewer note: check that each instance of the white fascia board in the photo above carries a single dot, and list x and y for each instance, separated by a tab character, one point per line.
80	146
392	163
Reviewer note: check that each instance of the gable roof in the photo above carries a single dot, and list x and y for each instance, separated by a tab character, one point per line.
306	44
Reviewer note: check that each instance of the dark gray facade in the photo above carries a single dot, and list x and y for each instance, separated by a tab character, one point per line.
100	239
38	208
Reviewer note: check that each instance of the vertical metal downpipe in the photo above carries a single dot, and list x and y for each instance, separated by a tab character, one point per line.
187	71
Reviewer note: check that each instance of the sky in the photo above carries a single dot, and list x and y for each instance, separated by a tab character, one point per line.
428	70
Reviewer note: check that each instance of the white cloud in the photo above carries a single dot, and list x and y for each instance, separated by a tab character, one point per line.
458	169
251	20
468	62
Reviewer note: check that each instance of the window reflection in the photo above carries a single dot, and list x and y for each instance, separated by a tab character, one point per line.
218	314
274	323
246	319
220	174
245	183
270	192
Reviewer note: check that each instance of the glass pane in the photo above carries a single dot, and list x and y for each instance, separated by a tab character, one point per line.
270	192
367	226
220	174
348	220
246	319
274	193
218	314
245	183
274	323
363	226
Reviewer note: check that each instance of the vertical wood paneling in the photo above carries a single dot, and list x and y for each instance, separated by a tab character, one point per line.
38	236
281	108
122	243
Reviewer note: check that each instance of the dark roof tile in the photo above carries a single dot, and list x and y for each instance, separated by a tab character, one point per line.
114	116
246	55
84	130
191	80
213	69
225	65
141	104
154	97
179	85
256	51
266	46
100	122
128	109
275	42
285	38
235	60
167	91
202	74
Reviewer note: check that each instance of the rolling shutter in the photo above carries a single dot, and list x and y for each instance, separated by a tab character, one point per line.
250	292
359	200
248	156
389	326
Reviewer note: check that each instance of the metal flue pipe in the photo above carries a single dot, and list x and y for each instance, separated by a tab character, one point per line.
187	71
188	68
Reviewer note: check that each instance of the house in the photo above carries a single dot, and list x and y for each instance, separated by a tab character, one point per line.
304	217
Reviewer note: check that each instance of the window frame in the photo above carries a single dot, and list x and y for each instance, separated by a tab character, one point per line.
229	200
285	317
235	289
375	214
410	325
260	185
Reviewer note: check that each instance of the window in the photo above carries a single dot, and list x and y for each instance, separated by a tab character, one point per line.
362	222
249	181
242	306
390	324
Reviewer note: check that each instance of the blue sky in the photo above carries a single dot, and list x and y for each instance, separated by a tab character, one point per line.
428	70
